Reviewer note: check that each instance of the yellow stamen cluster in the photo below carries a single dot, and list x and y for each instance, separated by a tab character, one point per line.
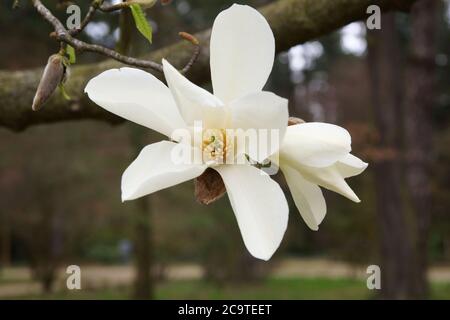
215	146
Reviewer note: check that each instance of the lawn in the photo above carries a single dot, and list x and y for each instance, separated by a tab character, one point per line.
319	288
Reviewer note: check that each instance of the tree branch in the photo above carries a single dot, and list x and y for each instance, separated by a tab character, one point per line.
89	15
65	36
292	21
62	35
113	7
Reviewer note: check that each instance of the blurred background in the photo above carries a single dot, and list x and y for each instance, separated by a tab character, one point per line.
60	184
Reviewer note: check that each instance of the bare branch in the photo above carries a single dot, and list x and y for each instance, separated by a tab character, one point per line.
83	46
47	15
63	35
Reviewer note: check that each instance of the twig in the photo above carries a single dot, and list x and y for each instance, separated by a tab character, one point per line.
86	20
83	46
63	35
113	7
194	57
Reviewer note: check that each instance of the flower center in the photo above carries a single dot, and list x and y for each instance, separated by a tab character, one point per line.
215	146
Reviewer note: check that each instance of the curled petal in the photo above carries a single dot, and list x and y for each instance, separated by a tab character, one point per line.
307	197
329	178
350	166
315	144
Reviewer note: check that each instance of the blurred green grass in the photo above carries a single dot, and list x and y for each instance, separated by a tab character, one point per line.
272	288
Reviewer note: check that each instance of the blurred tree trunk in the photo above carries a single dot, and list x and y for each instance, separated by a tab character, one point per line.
44	258
5	240
397	268
420	90
143	282
142	244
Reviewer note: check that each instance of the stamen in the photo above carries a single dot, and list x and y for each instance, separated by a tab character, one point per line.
215	146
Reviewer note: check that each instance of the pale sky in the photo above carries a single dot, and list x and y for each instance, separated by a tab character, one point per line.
303	55
353	38
447	2
352	41
97	30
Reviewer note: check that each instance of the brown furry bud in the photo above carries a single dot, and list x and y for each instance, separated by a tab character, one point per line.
209	187
53	75
189	37
293	121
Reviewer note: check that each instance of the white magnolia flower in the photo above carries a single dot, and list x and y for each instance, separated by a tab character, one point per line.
317	154
242	54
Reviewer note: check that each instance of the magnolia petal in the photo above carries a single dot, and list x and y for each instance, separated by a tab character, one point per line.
137	96
263	115
259	205
307	197
329	178
315	144
156	168
350	166
242	52
195	103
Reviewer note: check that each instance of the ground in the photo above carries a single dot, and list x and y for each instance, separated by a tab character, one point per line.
292	279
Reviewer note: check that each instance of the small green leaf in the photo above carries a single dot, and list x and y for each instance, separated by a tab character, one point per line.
71	53
63	92
141	22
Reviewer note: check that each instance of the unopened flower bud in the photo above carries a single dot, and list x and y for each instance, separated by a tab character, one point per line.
54	74
189	37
